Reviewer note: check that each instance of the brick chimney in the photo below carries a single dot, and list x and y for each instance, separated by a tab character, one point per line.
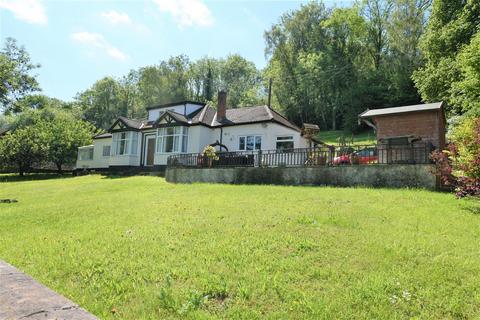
222	105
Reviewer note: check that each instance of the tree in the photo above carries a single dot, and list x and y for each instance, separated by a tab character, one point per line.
23	149
63	136
242	81
449	45
101	103
15	78
377	13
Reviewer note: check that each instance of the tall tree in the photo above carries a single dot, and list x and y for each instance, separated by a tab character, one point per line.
448	44
101	103
16	80
242	80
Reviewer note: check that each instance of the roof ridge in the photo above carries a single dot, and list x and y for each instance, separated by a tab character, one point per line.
268	110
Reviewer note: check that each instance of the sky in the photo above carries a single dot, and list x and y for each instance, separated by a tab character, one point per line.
79	42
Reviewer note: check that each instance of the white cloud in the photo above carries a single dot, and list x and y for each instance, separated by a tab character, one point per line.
116	18
98	41
31	11
187	12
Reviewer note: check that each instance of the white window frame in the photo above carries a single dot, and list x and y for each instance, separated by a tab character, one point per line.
109	150
179	138
131	143
284	138
245	137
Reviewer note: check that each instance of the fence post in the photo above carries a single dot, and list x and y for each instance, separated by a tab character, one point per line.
259	160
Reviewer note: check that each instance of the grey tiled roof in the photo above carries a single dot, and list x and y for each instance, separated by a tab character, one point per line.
208	116
413	108
102	135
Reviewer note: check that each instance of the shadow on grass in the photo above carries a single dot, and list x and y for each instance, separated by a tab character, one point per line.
33	177
117	175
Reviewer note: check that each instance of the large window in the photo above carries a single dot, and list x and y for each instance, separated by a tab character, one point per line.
85	153
125	143
172	139
285	143
249	143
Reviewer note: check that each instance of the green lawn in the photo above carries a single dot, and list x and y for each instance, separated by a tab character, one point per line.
332	137
150	249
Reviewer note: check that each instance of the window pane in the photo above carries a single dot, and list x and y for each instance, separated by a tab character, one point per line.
250	142
123	135
106	151
176	142
284	138
168	143
177	130
159	144
170	130
134	143
241	144
284	145
122	147
258	142
184	143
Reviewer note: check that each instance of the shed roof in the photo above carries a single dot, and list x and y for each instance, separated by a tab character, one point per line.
404	109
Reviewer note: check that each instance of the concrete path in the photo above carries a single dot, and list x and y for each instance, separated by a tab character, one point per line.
21	297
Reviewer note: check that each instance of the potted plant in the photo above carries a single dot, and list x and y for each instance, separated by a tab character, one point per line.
209	154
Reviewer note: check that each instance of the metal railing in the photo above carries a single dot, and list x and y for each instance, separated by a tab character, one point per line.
418	153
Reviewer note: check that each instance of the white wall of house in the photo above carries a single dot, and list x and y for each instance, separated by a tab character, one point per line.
98	160
269	132
154	114
198	137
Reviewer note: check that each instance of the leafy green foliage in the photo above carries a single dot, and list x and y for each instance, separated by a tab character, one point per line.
44	135
15	78
175	79
63	137
23	148
329	65
153	250
451	48
466	138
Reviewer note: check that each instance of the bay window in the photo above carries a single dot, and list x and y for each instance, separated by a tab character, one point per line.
172	139
246	143
125	143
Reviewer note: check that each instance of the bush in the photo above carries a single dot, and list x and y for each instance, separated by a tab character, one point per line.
459	166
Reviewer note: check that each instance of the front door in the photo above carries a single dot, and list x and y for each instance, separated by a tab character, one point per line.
150	152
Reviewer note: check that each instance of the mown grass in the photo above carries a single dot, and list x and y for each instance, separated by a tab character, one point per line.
141	248
333	137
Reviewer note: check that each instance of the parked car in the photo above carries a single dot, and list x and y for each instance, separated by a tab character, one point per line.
363	156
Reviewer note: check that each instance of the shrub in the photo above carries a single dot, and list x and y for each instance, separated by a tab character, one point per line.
459	166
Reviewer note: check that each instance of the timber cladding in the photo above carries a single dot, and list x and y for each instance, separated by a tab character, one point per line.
429	125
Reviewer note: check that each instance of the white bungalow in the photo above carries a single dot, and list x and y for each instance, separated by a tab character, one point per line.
188	127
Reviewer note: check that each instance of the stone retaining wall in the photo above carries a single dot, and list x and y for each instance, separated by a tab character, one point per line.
394	176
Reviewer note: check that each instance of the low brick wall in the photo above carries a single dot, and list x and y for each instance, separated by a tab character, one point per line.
393	176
